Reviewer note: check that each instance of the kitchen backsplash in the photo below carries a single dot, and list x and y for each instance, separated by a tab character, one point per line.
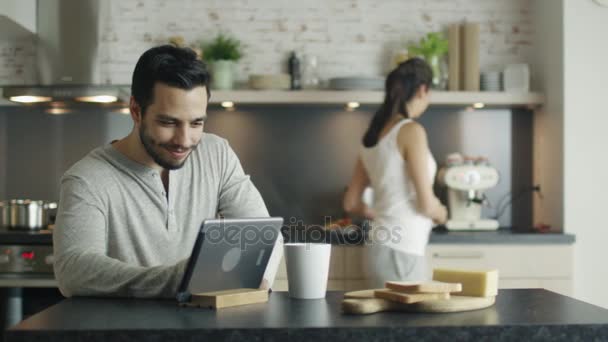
300	158
345	35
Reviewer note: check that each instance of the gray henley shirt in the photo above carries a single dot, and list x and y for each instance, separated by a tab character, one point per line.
119	234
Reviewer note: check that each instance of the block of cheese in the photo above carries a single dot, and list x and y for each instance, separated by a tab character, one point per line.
474	283
423	287
409	298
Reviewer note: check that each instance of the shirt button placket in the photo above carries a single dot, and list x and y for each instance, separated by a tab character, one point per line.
168	212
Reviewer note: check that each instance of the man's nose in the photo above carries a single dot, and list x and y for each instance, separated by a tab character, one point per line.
183	136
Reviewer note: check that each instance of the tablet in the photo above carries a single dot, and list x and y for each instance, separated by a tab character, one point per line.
229	254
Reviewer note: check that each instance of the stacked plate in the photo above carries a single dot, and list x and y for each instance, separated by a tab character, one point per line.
356	83
491	81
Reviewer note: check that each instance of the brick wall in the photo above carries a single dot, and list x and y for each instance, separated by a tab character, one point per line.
17	62
348	36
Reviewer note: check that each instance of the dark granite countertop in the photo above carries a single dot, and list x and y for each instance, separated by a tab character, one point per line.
27	237
354	235
500	236
518	315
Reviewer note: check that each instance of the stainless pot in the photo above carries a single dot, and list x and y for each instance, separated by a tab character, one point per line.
27	214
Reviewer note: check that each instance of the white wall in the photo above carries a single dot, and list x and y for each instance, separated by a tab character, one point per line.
585	141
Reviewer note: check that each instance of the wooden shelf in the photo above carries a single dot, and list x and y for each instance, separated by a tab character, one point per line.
447	98
341	97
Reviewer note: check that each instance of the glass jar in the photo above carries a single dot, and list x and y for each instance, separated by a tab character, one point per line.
439	67
310	73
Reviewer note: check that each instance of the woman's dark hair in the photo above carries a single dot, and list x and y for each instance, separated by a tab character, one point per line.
400	87
173	66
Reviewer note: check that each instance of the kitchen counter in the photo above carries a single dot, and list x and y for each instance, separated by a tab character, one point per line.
27	237
500	236
354	236
519	314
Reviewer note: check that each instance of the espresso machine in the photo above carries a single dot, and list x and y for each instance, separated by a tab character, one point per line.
466	179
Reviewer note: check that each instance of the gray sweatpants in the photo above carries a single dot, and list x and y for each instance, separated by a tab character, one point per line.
382	263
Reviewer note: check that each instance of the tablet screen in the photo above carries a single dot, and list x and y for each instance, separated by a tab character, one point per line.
230	254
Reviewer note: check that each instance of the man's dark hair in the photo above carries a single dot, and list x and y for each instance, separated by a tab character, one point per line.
173	66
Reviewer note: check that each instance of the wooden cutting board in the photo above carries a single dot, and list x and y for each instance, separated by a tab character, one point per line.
425	287
364	302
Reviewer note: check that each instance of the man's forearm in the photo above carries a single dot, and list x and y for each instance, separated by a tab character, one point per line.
91	274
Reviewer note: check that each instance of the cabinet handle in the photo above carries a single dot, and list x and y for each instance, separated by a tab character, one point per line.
458	255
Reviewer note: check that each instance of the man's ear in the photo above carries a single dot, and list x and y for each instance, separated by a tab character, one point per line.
135	110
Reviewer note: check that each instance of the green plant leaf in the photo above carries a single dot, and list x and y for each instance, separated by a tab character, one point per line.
222	47
432	44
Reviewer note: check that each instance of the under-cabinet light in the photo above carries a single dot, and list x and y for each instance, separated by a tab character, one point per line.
98	99
228	104
352	105
29	99
57	111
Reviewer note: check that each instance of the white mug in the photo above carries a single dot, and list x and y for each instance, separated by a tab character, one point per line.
307	269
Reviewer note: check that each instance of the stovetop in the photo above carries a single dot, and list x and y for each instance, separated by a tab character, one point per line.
25	252
25	237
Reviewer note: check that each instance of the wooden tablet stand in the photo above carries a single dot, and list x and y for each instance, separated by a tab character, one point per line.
227	298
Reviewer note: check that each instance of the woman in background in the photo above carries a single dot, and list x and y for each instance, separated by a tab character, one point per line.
396	162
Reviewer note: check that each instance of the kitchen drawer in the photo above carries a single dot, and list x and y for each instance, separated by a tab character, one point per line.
353	257
512	261
559	285
280	285
355	285
519	283
332	285
336	264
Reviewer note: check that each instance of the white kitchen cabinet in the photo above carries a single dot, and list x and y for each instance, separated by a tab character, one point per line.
345	272
520	265
332	285
562	286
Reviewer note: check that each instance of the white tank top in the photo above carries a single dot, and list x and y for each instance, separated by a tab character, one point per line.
398	223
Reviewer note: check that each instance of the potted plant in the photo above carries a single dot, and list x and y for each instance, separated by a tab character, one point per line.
221	54
432	48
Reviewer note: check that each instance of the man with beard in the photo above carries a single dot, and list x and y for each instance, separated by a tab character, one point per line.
130	211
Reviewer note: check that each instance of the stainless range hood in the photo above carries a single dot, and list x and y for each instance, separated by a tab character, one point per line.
69	56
